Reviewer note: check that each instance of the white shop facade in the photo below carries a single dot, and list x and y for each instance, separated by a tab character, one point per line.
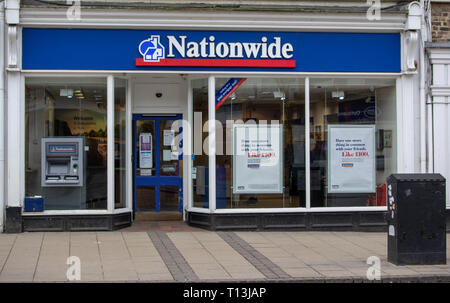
227	120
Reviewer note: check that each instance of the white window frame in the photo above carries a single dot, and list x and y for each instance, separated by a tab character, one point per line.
110	144
211	137
187	184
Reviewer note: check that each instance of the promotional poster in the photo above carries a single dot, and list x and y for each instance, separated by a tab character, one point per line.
351	159
257	159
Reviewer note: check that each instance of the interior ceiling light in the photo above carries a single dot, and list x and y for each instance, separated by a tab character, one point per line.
279	95
339	94
66	92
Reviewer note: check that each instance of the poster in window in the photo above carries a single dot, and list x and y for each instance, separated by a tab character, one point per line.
257	159
351	159
169	136
387	138
145	150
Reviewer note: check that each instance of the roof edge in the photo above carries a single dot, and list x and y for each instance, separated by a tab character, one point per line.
401	6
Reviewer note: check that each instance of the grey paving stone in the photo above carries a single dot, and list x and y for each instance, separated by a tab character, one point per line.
326	256
269	269
174	260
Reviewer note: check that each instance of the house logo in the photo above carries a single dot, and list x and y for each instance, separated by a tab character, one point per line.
151	49
176	51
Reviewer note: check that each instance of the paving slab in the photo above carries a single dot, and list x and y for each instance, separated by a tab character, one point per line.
198	255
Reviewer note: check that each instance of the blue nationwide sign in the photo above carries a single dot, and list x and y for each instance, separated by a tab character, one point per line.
129	49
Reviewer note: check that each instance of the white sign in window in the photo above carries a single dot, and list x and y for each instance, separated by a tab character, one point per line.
145	150
169	136
351	159
257	159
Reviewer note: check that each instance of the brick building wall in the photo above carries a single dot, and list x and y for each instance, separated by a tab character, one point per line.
440	21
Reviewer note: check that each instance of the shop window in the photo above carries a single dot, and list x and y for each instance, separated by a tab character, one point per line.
66	111
120	96
200	162
352	141
260	143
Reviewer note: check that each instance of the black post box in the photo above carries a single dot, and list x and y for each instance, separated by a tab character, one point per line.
416	219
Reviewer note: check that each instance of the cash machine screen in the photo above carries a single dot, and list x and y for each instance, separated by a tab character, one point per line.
58	149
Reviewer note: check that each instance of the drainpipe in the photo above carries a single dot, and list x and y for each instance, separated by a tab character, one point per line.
428	99
430	135
2	114
423	112
415	23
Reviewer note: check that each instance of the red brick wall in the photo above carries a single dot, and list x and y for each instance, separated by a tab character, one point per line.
440	21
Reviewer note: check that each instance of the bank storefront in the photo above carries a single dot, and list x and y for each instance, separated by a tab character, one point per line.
224	127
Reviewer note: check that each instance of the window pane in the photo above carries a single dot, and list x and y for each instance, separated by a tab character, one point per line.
169	157
146	198
73	108
200	157
145	130
169	198
260	143
120	95
352	148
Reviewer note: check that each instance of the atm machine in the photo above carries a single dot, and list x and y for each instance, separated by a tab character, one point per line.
63	173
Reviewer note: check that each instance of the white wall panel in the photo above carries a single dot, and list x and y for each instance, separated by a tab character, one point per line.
440	91
13	144
173	97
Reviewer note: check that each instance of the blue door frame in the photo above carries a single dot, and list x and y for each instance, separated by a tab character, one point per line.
157	180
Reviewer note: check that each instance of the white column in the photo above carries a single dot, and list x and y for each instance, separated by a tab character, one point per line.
187	147
129	145
441	126
440	96
13	150
14	127
2	115
110	140
408	106
398	140
307	146
408	129
212	142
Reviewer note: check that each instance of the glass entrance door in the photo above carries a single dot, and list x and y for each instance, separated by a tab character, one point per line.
157	146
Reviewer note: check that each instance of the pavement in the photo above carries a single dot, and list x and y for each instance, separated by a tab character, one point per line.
179	253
